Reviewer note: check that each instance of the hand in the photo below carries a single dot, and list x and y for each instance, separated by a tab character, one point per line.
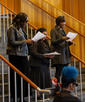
72	42
29	41
65	38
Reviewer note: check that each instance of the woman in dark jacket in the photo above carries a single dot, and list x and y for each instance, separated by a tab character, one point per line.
39	62
60	44
17	51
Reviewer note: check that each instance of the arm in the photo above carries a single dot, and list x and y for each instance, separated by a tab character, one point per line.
34	52
58	39
12	37
53	38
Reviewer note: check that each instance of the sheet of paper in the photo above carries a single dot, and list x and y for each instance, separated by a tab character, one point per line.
52	53
38	36
71	36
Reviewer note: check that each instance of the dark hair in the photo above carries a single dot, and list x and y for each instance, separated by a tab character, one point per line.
20	18
60	19
65	82
42	30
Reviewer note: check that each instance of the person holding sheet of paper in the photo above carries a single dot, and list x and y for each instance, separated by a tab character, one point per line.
60	44
17	50
40	62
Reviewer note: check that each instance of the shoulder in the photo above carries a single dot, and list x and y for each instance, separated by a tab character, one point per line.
11	28
55	30
65	97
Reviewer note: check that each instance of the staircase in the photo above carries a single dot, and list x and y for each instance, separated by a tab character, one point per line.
4	80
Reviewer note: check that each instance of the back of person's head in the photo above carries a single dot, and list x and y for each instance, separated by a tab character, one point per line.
20	18
69	75
59	20
42	30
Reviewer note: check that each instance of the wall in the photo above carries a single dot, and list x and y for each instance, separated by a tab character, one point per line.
56	3
76	8
14	5
36	16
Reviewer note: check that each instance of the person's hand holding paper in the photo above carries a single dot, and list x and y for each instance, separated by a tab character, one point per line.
71	36
38	36
51	55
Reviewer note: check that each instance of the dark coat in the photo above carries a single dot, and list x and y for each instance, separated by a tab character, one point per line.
65	96
40	73
16	44
36	53
61	46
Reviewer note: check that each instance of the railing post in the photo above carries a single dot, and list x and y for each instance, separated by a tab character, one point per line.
3	82
28	92
11	18
7	19
31	33
81	81
9	83
43	97
75	66
4	24
22	89
15	86
35	95
74	62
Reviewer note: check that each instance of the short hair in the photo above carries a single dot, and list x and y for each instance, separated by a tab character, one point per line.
60	19
20	17
41	30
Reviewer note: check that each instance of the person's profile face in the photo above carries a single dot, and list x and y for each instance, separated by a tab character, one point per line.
45	33
72	87
26	20
25	23
62	24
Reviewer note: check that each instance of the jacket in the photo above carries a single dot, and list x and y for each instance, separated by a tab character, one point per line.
37	50
61	46
65	96
16	44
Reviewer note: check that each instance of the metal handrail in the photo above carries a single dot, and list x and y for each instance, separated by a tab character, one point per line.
23	76
83	62
55	17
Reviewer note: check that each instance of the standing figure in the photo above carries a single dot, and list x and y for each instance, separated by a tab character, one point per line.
17	50
39	62
60	44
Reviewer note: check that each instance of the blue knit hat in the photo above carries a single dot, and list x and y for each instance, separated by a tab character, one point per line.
69	74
